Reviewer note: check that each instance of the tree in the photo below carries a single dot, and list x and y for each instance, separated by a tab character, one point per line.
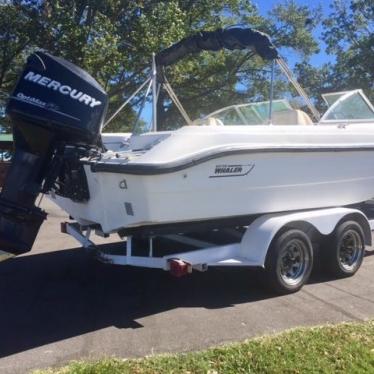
349	35
114	40
17	26
316	81
207	82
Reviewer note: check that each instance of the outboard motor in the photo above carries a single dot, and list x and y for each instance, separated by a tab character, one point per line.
55	106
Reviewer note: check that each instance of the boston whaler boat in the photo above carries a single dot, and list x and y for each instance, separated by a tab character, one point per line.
240	168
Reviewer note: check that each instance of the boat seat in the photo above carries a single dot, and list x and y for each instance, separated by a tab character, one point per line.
291	117
210	121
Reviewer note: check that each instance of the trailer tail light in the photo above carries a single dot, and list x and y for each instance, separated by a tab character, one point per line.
179	268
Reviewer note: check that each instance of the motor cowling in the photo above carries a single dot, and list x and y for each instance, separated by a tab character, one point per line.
54	105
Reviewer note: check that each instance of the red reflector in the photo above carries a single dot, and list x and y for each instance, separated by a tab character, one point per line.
178	268
64	227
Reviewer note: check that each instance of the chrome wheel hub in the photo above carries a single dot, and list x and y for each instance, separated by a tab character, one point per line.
293	262
350	249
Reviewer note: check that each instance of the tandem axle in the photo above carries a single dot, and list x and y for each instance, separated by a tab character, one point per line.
283	244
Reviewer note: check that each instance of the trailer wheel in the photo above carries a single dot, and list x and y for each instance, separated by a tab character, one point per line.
345	252
289	261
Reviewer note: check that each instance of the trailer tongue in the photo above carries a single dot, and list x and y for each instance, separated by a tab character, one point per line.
57	110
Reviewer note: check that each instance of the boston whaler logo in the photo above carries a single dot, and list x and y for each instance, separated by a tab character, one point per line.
232	170
62	89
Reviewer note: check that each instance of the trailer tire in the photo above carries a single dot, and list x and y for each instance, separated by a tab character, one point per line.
344	254
289	261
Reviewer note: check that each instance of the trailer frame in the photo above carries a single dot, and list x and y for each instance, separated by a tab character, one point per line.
249	250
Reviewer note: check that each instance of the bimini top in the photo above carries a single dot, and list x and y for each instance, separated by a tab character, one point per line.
230	38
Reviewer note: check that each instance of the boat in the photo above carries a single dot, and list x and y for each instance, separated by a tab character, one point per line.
211	171
220	170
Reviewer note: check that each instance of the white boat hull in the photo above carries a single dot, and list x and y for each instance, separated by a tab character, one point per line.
273	182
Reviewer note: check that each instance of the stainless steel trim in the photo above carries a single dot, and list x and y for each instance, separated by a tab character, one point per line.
170	167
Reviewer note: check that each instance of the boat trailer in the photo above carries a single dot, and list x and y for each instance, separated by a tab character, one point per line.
246	246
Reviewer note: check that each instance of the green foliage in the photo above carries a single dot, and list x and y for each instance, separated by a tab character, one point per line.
210	81
17	26
316	80
349	35
292	26
114	41
348	32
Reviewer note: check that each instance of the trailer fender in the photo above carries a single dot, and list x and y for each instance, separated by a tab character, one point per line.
259	235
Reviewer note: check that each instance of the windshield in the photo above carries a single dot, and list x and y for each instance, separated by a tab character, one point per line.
249	114
352	106
330	98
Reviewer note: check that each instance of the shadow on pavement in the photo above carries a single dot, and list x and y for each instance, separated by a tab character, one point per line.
52	296
49	297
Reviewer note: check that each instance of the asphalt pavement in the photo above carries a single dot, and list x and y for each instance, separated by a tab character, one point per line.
57	304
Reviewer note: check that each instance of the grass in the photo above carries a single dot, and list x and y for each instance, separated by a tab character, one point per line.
343	348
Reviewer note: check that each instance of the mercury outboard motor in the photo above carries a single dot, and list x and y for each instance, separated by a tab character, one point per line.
55	106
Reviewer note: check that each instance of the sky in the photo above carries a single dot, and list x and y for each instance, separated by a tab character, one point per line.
264	6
